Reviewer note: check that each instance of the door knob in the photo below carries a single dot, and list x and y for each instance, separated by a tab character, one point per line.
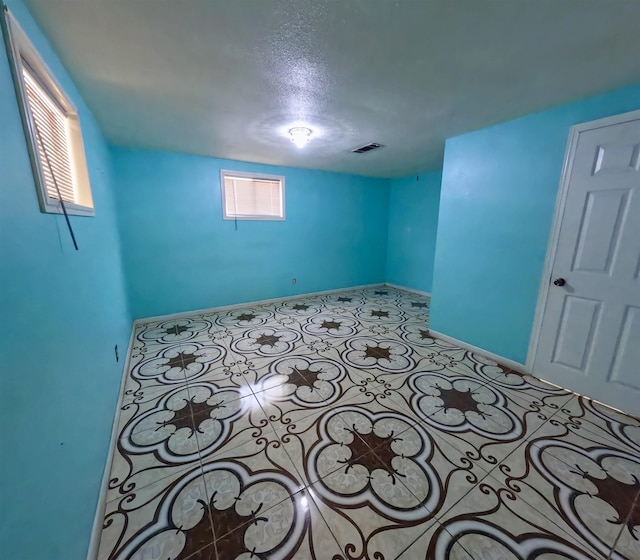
559	281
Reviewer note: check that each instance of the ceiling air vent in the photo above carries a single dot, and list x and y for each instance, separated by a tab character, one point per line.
367	148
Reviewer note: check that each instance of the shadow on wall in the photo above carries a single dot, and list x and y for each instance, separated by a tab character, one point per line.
413	224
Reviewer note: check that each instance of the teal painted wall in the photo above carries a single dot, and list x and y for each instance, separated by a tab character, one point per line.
413	224
62	313
499	187
180	254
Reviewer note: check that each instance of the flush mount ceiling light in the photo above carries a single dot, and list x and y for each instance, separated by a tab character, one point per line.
300	135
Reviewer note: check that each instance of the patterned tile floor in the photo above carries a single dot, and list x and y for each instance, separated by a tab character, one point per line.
335	427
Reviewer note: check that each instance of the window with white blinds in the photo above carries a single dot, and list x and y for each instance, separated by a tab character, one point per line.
51	126
249	197
52	139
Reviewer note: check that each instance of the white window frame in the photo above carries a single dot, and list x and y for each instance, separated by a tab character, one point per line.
258	177
19	47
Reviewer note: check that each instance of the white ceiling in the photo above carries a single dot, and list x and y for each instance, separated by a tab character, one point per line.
228	78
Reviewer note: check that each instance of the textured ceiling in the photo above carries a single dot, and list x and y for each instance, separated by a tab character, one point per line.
228	78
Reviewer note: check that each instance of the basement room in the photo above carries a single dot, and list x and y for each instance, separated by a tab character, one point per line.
320	280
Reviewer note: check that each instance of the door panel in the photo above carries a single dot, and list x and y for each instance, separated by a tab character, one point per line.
615	158
589	339
626	361
597	241
575	335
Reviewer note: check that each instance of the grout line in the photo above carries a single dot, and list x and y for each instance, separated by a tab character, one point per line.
335	539
613	550
625	524
414	541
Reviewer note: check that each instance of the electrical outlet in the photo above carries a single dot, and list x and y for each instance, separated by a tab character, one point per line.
293	280
117	355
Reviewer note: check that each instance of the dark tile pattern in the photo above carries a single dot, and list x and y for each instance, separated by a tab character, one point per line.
336	427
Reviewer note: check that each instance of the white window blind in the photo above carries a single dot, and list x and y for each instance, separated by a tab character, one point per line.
51	138
253	197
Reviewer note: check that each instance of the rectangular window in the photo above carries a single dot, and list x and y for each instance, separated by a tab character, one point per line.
247	196
52	128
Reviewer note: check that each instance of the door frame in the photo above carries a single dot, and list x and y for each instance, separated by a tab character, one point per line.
561	199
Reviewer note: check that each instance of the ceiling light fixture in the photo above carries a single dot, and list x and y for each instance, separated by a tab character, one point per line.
300	135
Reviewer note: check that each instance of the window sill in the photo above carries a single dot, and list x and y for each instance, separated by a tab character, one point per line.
261	218
72	209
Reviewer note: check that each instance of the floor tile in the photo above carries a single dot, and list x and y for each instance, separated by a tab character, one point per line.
364	530
173	331
294	386
561	429
380	503
166	519
292	528
147	457
416	333
150	409
265	342
493	521
587	492
336	426
221	427
228	375
327	324
243	317
479	420
155	370
549	398
604	421
436	542
368	352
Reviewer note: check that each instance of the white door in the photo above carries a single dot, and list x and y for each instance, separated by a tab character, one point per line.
589	336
